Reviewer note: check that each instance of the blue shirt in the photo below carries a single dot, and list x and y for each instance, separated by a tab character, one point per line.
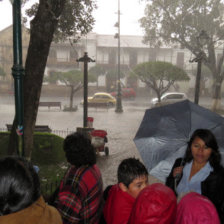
194	184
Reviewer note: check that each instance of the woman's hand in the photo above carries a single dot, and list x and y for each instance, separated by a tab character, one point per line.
177	171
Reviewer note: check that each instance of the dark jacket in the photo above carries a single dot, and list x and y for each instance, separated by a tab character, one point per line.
212	187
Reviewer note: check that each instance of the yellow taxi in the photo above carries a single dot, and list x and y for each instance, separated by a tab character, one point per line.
101	99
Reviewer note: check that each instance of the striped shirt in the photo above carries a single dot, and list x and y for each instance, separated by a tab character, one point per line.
80	195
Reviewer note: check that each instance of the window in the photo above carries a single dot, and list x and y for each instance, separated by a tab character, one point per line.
180	59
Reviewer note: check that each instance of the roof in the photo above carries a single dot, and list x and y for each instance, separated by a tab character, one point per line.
125	41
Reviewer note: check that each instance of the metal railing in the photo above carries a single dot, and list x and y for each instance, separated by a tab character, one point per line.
61	133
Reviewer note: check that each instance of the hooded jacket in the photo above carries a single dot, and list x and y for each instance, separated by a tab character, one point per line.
156	204
118	206
197	209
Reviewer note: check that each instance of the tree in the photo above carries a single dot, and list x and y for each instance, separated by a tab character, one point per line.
61	17
159	76
206	75
181	21
72	79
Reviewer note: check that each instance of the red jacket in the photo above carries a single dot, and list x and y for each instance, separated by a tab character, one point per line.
118	206
156	204
196	209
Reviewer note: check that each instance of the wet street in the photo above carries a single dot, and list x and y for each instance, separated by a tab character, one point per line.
121	127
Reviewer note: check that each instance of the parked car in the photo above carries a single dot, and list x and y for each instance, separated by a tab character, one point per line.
101	99
126	93
169	98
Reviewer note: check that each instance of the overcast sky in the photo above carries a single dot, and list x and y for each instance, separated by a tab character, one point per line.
106	16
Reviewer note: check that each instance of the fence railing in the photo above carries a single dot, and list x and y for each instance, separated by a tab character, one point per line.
61	133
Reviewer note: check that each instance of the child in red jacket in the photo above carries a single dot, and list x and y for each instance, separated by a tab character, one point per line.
155	204
132	178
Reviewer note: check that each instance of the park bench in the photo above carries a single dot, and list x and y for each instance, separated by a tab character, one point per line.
38	128
50	104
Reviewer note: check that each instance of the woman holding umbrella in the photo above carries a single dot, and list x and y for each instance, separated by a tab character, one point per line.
200	170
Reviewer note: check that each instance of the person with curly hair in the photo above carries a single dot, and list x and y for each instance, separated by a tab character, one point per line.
80	193
200	170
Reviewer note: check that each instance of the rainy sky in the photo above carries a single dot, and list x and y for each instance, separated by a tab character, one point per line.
106	16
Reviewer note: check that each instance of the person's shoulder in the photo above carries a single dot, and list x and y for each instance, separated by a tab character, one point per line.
51	215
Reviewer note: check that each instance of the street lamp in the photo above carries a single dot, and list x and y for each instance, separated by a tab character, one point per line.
85	59
18	74
118	103
201	41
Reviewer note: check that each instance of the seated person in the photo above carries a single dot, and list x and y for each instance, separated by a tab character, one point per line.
20	198
197	209
80	193
132	178
155	204
200	170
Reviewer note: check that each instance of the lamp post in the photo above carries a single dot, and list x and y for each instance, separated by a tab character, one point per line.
118	103
201	41
85	59
18	74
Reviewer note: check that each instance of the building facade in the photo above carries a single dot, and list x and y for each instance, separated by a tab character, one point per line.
104	50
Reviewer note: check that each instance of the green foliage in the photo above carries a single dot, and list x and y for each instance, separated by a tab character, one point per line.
48	148
47	154
159	75
182	21
70	78
2	72
76	19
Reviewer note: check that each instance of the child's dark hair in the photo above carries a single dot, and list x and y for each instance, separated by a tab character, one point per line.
19	185
130	169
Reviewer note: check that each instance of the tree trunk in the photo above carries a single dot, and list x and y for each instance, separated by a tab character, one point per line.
216	98
71	97
41	34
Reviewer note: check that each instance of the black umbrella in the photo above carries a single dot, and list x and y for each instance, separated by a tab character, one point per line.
164	132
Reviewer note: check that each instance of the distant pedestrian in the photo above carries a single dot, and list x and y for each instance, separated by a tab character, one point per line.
80	193
196	209
132	178
156	204
20	198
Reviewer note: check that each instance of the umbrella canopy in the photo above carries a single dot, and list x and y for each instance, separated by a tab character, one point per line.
164	132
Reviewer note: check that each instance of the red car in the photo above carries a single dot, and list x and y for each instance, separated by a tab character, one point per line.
126	93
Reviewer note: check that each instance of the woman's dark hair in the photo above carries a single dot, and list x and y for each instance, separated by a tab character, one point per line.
79	150
19	185
210	141
130	169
